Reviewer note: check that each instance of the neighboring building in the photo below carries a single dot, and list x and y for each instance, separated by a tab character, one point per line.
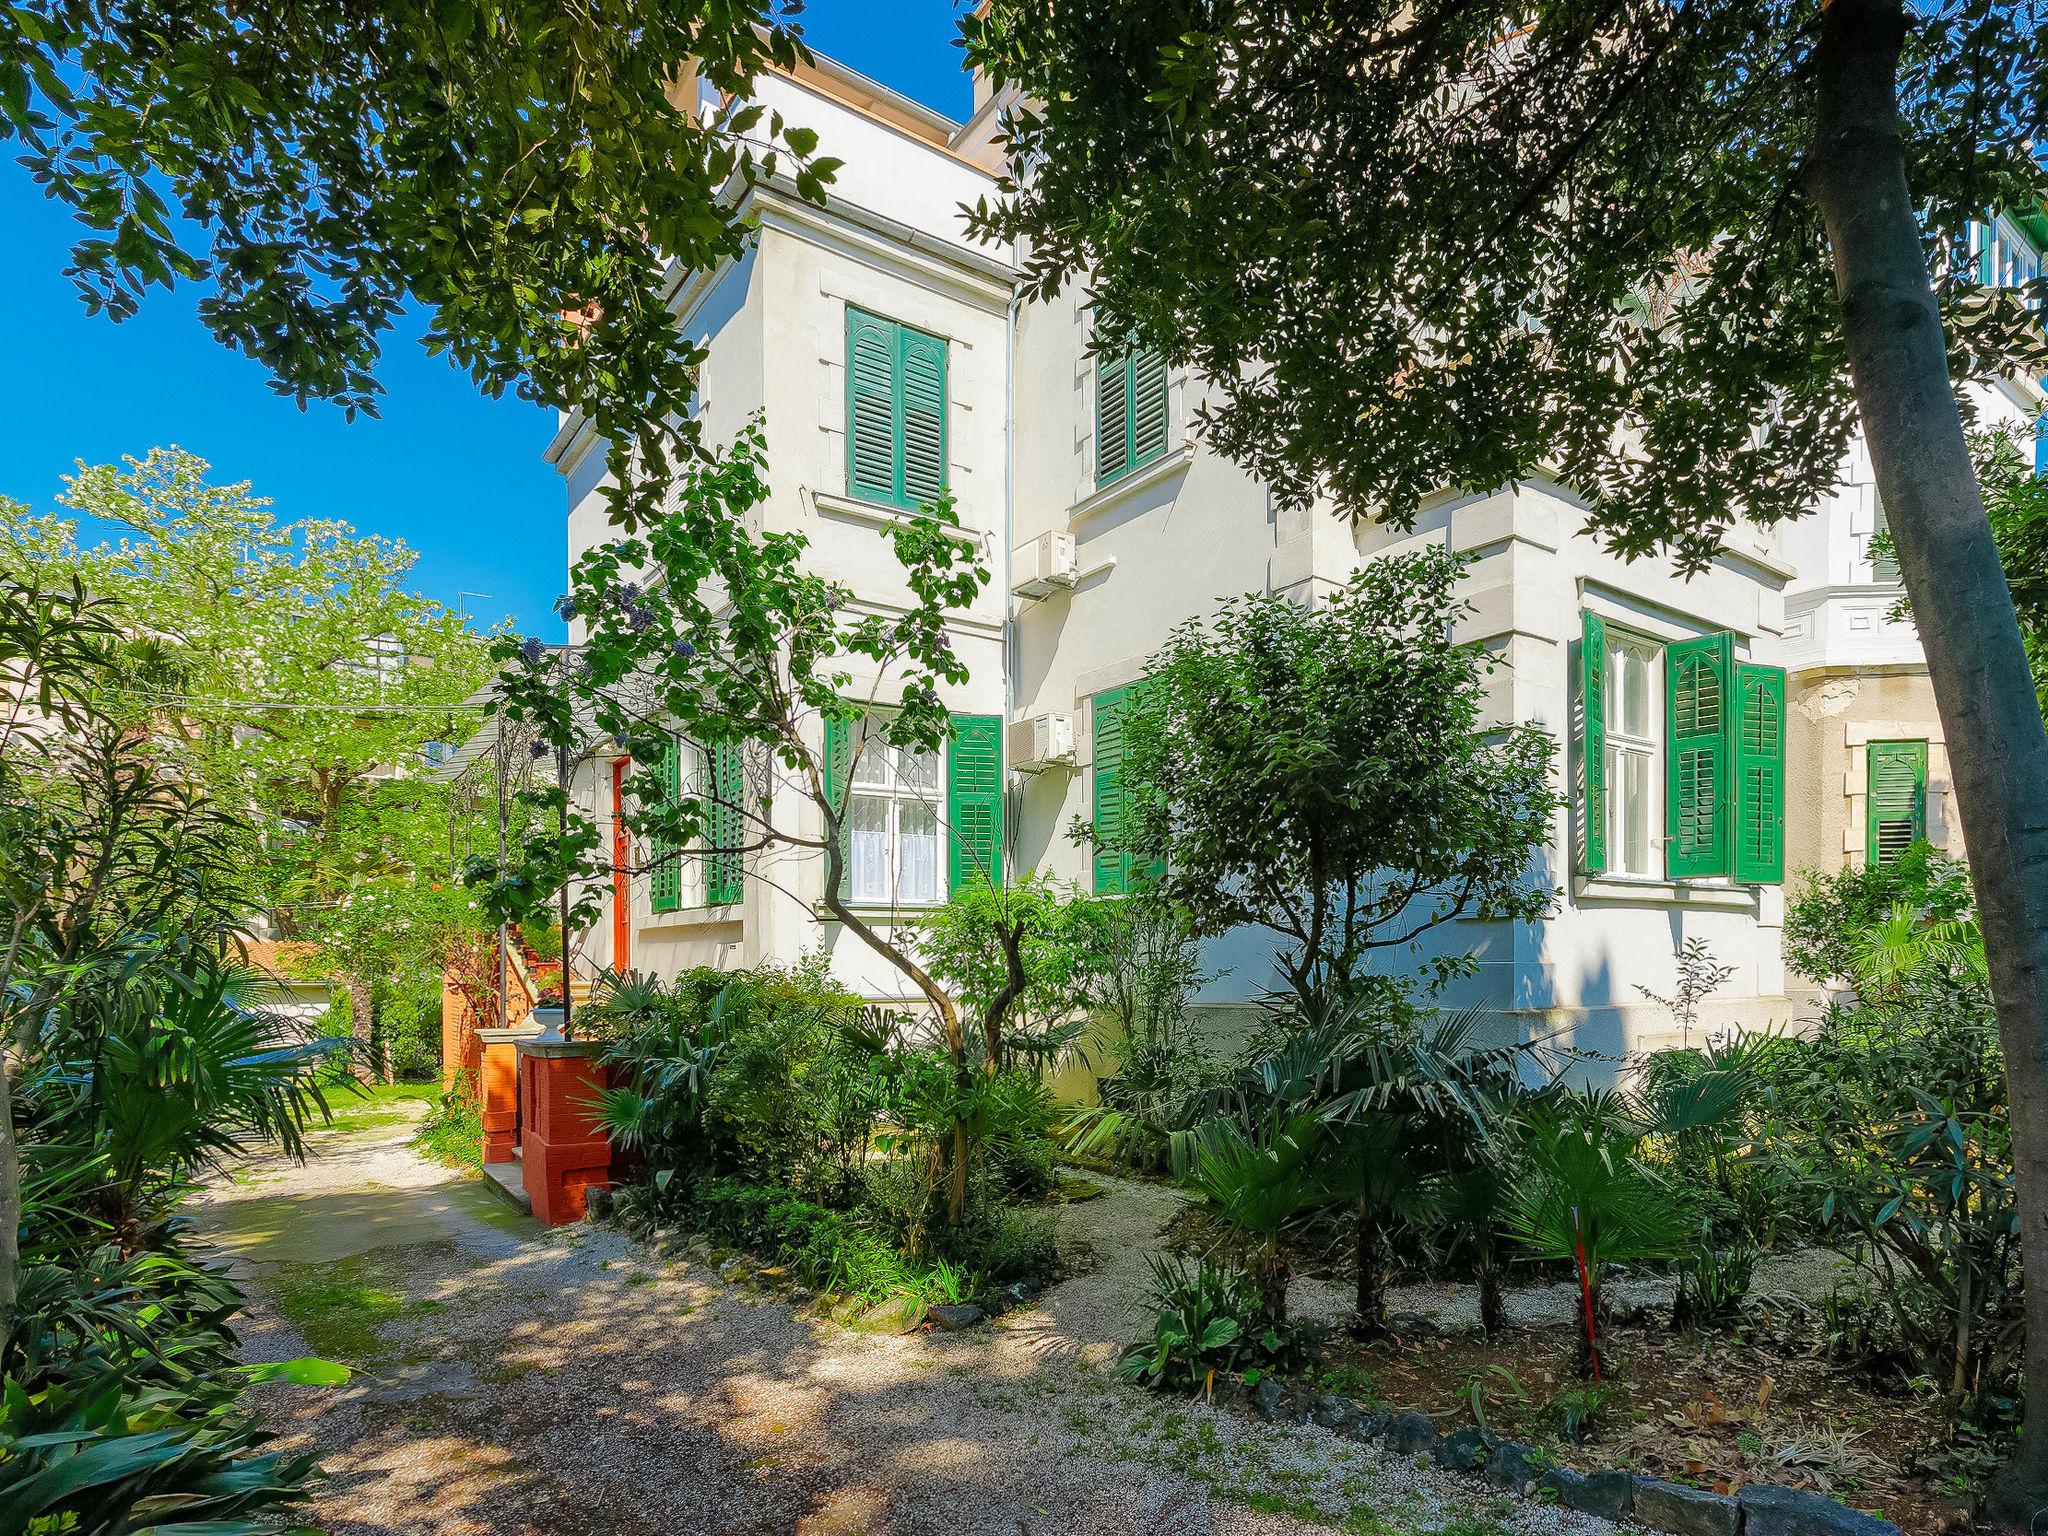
1867	758
891	358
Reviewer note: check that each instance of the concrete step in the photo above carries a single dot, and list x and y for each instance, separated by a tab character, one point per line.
507	1180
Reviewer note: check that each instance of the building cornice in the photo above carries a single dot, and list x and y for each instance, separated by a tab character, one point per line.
860	233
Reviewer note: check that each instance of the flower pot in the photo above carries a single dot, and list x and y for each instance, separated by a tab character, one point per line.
551	1021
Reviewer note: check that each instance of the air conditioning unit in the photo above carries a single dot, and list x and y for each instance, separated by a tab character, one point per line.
1044	565
1040	742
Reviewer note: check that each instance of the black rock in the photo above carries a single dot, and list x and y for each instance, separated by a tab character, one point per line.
1768	1510
1407	1433
1334	1411
1269	1400
597	1203
1685	1511
950	1319
1369	1426
1467	1449
1610	1495
1513	1467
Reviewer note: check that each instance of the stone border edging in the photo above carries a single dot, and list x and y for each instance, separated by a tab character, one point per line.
1759	1509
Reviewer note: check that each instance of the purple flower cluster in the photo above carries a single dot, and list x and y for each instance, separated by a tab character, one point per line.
531	650
566	607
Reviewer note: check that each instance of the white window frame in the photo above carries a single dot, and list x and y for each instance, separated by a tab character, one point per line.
1646	746
901	795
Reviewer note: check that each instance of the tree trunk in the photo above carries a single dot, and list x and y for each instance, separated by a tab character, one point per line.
1990	715
1371	1297
10	1198
362	1026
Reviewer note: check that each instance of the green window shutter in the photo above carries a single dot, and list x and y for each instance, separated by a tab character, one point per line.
838	767
974	802
1148	407
1592	745
1895	814
665	879
1112	864
871	416
725	822
1697	675
1884	563
1758	744
895	412
1130	413
1112	419
923	373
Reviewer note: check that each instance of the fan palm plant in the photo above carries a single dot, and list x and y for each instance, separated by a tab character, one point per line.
1584	1198
1257	1177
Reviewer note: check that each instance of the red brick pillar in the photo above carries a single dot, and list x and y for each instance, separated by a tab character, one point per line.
562	1150
498	1089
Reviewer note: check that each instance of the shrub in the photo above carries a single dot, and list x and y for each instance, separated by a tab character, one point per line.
1824	921
829	1250
453	1131
1209	1321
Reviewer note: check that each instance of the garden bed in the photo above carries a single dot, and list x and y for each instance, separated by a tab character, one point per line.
1704	1409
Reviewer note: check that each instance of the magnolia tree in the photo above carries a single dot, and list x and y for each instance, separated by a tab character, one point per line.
1326	773
699	630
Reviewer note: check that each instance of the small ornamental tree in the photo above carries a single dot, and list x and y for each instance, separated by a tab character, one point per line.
1326	773
700	630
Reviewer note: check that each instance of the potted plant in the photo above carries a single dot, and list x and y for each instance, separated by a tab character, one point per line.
550	1014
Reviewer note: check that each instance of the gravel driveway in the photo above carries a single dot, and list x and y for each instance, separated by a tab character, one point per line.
512	1380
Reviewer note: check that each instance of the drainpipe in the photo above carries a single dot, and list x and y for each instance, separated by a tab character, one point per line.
1010	515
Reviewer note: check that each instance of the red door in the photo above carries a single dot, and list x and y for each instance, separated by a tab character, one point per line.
622	872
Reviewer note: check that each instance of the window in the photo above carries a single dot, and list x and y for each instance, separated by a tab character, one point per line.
1634	669
678	880
1130	413
1681	761
895	412
1884	560
898	812
1117	870
674	880
1895	812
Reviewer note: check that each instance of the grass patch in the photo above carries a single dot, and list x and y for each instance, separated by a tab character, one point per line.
341	1310
453	1132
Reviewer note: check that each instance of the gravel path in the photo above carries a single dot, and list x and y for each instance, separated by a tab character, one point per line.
516	1381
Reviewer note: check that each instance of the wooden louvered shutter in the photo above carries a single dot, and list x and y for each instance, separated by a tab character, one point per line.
1884	560
1696	809
838	767
1758	747
1592	765
974	802
923	372
725	823
872	439
1112	419
1895	813
1148	407
665	877
1112	863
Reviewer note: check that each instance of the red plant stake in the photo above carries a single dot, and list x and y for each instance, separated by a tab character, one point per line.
1586	1293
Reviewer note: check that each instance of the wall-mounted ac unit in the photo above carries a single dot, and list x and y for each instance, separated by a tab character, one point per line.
1044	565
1040	742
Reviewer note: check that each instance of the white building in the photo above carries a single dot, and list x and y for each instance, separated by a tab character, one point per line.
1108	525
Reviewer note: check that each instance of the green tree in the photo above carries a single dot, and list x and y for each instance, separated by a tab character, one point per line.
529	173
1671	254
304	683
1325	773
703	631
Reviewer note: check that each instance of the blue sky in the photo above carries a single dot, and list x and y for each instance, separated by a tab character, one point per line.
457	476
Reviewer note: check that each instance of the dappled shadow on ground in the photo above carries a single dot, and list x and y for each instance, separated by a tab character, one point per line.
514	1382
